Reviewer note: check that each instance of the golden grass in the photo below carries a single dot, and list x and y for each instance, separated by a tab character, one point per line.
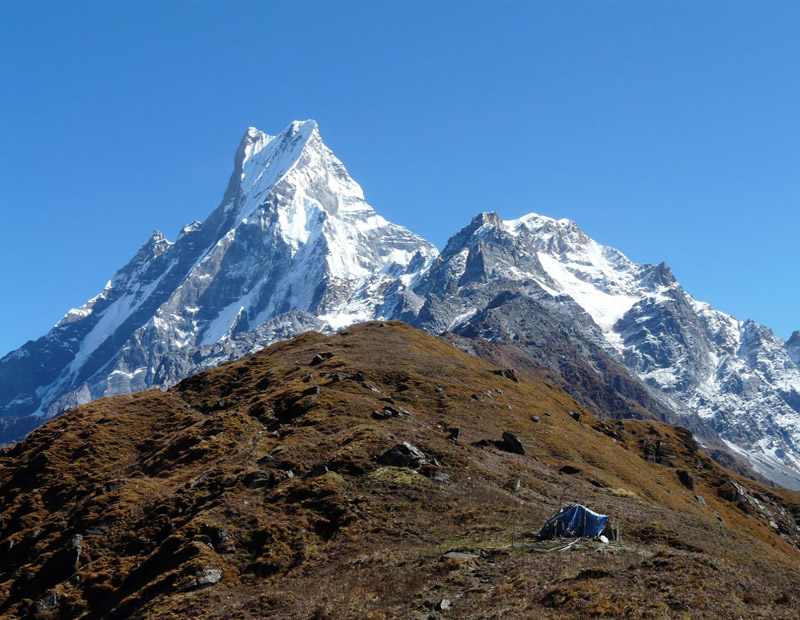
157	482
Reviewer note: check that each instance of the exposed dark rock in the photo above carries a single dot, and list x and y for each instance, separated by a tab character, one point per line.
575	416
256	480
390	412
686	479
221	540
570	469
303	405
111	486
403	455
484	443
454	433
48	602
206	577
265	461
318	470
318	359
433	470
76	545
511	443
507	373
441	477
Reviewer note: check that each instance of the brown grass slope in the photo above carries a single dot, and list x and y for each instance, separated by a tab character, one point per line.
253	491
611	394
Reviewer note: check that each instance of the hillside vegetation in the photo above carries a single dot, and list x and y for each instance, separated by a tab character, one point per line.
263	489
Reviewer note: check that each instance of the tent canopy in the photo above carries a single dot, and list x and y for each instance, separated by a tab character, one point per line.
574	520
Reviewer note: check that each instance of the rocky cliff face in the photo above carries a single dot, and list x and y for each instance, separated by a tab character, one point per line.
294	247
490	284
793	347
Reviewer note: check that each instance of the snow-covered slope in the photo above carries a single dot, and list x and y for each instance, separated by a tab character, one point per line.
735	374
293	246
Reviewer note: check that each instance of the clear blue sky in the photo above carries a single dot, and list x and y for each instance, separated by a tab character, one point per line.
670	130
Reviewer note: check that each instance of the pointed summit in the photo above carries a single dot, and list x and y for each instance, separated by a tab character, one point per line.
299	163
295	135
481	226
261	159
294	187
292	247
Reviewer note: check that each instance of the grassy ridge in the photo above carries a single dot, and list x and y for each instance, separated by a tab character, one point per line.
253	490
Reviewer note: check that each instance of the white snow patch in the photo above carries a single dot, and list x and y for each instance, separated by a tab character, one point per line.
605	308
268	159
220	328
464	316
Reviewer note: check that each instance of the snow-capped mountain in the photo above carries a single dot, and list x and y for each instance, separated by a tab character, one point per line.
736	377
293	246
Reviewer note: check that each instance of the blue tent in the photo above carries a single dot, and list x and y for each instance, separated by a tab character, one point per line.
575	520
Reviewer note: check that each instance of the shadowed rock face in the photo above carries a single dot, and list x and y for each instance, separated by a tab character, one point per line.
294	247
793	347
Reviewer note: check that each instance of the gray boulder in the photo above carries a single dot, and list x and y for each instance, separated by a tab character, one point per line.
403	455
47	602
